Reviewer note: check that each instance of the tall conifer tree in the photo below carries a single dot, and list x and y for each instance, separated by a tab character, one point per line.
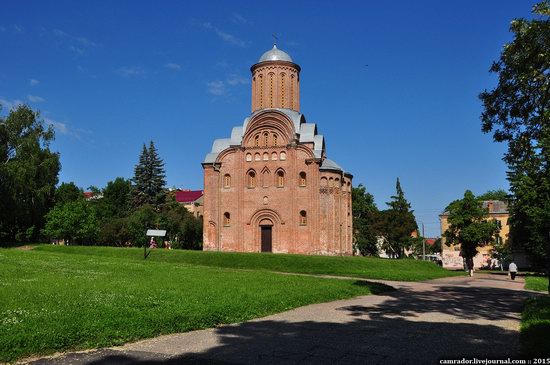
149	178
399	224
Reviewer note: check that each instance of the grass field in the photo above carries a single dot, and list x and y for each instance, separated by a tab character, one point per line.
363	267
535	327
76	298
538	283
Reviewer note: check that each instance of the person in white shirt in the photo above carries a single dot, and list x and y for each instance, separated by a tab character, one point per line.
513	269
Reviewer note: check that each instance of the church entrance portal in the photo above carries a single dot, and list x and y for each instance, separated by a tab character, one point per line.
267	238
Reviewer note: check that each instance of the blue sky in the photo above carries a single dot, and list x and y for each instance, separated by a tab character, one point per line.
112	75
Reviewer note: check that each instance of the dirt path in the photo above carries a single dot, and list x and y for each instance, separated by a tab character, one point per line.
419	323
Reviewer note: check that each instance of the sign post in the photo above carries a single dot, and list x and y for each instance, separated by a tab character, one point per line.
152	233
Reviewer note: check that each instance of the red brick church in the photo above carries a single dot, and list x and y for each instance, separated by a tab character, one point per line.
270	187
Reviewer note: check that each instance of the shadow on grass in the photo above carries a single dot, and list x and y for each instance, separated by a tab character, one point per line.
388	332
375	288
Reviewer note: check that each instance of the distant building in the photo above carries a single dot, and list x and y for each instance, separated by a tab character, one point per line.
498	210
192	200
90	195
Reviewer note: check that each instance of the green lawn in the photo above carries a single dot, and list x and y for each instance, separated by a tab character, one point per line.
535	327
538	283
364	267
54	299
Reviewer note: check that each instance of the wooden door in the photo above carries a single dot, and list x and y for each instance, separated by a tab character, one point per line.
267	236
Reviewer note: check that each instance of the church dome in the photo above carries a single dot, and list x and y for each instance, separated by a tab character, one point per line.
275	54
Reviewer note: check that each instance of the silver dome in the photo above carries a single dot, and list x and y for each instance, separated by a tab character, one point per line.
275	54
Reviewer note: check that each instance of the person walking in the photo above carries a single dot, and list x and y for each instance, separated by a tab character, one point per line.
513	269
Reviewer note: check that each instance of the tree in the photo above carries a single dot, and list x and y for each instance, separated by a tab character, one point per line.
500	194
73	222
28	174
68	192
149	178
469	226
399	223
366	219
116	198
517	112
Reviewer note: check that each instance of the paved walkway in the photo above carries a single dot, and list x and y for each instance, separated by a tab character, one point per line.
419	323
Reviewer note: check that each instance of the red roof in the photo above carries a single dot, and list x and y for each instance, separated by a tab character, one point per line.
88	194
189	196
430	241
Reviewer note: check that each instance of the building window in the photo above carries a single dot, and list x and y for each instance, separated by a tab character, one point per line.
303	218
251	179
257	157
266	156
275	140
282	156
257	141
271	90
261	91
226	219
266	139
302	178
274	156
248	157
280	178
227	181
282	90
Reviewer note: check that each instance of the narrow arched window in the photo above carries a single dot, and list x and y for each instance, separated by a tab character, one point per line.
266	156
257	157
282	156
226	219
274	156
266	139
248	157
257	141
282	90
275	140
261	91
280	179
303	218
271	90
302	178
251	179
227	181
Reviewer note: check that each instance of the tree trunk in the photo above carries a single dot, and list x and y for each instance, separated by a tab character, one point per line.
548	261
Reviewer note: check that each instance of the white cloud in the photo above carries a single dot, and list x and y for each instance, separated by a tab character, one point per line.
10	104
58	126
238	19
2	28
129	71
234	79
226	37
216	88
173	66
59	33
86	42
34	82
35	99
18	28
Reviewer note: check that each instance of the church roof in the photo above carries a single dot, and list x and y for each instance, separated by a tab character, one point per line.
275	54
330	165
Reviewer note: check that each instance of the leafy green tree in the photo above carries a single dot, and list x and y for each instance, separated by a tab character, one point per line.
469	226
28	174
500	194
366	221
517	112
116	198
68	192
398	224
115	232
139	221
149	178
73	222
